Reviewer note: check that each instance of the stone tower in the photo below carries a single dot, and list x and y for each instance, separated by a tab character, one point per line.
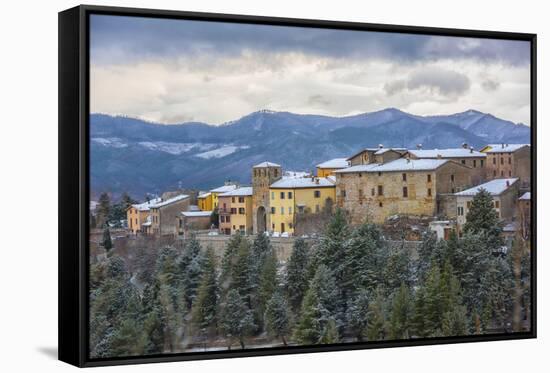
263	175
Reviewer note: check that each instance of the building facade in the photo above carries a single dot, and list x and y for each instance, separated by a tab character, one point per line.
291	196
137	214
509	161
204	201
327	168
189	221
263	175
376	155
214	193
373	192
505	195
235	211
164	214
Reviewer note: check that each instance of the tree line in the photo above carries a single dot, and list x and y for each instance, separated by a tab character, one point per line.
347	286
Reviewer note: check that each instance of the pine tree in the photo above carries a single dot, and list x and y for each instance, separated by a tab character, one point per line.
318	308
229	259
296	274
376	315
398	271
190	266
237	320
483	219
205	307
276	317
400	323
106	241
269	282
357	315
330	333
103	209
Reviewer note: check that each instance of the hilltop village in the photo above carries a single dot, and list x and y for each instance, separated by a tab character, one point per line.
407	189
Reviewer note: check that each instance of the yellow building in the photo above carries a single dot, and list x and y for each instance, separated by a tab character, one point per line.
217	191
290	196
235	211
327	168
137	215
204	201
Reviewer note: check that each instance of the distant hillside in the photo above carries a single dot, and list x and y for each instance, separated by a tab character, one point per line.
132	155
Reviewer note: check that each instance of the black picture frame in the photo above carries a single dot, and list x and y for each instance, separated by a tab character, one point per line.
74	181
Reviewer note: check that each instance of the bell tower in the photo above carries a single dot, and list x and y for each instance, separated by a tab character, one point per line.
263	175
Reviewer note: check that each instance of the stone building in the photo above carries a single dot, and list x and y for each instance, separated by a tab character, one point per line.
509	160
163	214
376	155
466	156
263	175
235	211
404	186
327	168
189	221
524	214
505	195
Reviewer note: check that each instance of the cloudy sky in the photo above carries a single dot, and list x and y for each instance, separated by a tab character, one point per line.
174	71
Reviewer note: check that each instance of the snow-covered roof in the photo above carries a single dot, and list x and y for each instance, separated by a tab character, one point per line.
494	187
145	206
447	153
192	214
224	189
334	163
358	168
169	201
377	151
296	174
504	148
526	196
510	227
239	192
194	208
267	164
204	195
403	164
304	182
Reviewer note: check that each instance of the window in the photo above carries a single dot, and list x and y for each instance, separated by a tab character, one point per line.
222	219
272	195
502	173
501	160
460	211
233	210
452	178
380	174
495	173
317	194
232	199
509	173
494	160
360	174
481	163
380	190
228	219
290	211
241	210
273	226
380	204
497	204
241	199
241	227
282	210
474	162
290	225
468	204
317	209
360	193
463	161
282	195
452	190
343	192
405	192
289	195
429	178
275	172
429	192
136	222
404	176
233	227
509	160
273	210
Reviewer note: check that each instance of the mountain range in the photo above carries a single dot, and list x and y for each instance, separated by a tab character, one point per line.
139	157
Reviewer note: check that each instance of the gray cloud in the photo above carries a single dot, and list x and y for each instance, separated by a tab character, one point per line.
436	80
116	39
490	85
318	100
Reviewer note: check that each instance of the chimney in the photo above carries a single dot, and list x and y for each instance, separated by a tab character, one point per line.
502	145
316	180
408	160
471	149
418	146
464	145
507	183
380	146
438	156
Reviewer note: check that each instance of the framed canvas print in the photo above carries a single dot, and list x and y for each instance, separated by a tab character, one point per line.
236	186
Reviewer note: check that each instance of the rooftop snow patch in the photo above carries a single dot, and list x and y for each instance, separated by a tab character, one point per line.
304	182
191	214
334	163
505	148
267	164
403	164
224	189
145	206
447	153
169	201
526	196
495	187
239	192
358	168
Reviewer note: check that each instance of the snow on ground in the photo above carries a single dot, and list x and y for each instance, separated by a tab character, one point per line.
224	151
175	148
114	142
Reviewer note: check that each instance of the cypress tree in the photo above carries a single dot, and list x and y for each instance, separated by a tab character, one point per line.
106	241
